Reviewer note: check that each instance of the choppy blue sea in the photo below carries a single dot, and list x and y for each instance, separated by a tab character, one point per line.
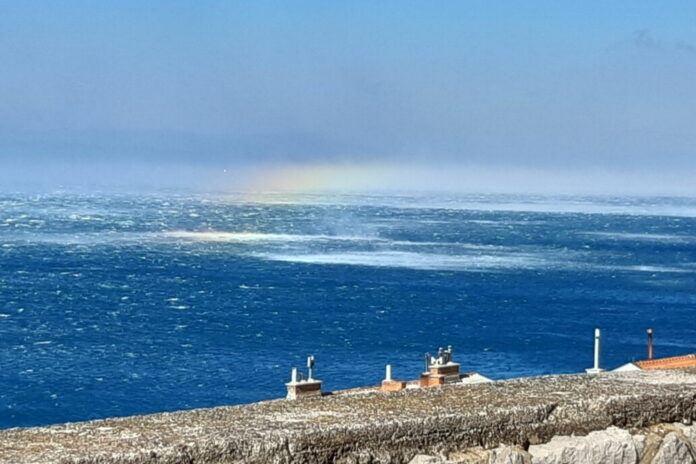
116	305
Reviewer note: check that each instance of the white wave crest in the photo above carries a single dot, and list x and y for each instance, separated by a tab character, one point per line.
463	262
647	237
242	237
214	236
410	260
648	268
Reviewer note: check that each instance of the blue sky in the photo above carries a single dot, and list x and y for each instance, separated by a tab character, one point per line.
132	92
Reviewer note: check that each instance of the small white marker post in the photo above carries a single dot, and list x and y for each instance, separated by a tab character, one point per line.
597	347
389	384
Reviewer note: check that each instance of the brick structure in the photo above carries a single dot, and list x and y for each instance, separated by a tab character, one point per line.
389	384
440	370
429	380
449	370
392	385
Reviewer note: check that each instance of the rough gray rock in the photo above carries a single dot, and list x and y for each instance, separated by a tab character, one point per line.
373	428
509	455
651	445
476	455
674	450
425	459
610	446
639	443
689	432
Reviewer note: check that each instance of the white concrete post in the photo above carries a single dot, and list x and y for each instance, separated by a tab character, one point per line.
597	348
388	373
597	342
293	375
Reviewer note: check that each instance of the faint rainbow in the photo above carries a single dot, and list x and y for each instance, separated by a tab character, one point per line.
318	178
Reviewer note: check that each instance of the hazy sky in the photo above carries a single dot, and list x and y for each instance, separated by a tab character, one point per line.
600	95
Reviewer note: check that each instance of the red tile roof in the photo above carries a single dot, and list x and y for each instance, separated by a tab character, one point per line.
677	362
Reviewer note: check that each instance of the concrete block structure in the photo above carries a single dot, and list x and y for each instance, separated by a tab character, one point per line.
302	388
473	378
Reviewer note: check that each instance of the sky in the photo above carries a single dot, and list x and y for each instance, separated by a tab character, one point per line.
538	96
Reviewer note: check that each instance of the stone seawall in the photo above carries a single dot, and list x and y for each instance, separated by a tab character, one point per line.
370	427
658	444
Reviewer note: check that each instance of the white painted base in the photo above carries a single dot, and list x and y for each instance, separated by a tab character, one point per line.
594	370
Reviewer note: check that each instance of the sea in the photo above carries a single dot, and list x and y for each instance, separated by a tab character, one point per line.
115	304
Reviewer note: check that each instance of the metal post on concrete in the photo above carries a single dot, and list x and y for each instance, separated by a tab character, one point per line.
650	343
310	366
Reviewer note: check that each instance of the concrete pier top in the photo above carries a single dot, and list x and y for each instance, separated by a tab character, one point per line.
368	426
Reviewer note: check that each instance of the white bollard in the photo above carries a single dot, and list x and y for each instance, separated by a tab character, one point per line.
293	375
388	373
597	341
597	348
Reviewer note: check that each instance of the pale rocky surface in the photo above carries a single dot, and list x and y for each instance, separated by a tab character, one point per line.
476	455
639	443
507	454
425	459
674	450
611	446
660	444
375	427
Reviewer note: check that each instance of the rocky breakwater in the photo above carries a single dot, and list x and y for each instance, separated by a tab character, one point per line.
503	421
660	444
